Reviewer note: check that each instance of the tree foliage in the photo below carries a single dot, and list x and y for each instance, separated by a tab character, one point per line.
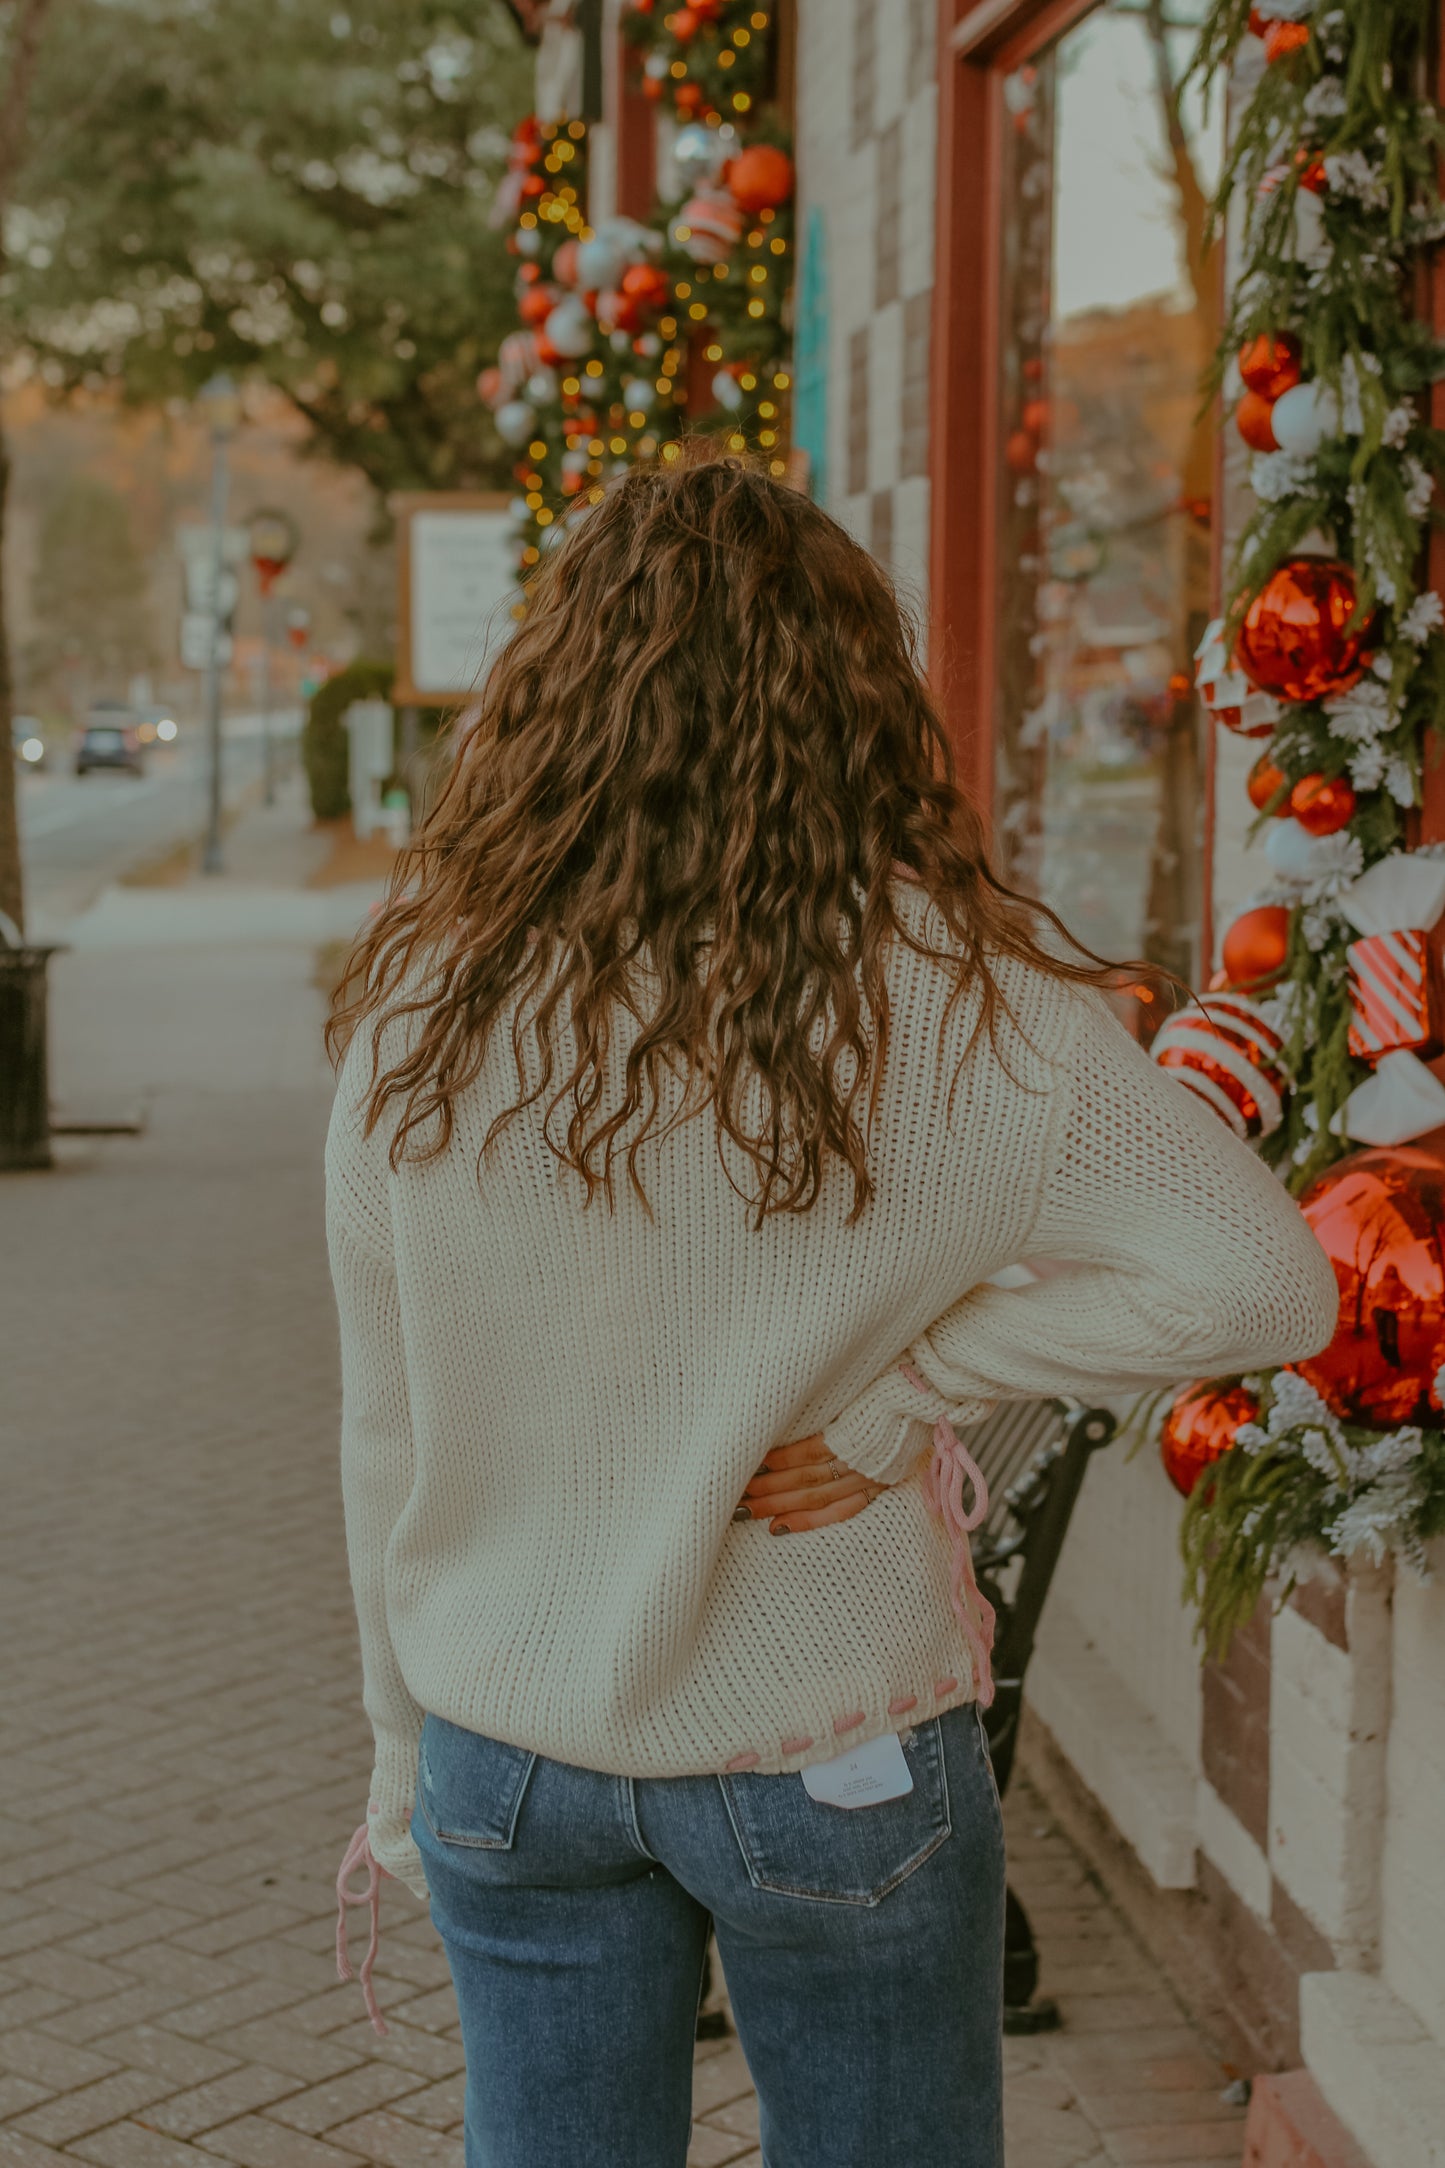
88	595
298	188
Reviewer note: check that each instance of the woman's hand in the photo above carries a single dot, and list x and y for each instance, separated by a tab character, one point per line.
802	1486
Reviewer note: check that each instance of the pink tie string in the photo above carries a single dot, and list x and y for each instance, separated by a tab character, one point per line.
359	1856
943	1487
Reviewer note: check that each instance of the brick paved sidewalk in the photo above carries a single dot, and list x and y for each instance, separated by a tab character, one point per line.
181	1751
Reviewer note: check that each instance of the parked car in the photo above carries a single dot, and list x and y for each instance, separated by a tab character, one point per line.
111	739
27	741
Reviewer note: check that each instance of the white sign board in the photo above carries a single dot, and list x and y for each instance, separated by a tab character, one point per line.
459	588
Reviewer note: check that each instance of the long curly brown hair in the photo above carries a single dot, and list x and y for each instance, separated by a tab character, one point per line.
692	780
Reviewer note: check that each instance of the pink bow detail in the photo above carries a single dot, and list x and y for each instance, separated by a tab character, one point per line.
359	1855
943	1488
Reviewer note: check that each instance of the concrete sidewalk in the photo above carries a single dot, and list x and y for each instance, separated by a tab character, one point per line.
182	1751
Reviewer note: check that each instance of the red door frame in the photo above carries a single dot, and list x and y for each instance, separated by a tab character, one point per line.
979	42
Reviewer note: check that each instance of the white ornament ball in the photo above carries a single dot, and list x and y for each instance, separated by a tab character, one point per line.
515	421
1293	853
638	392
574	462
696	153
541	387
1305	418
570	327
727	391
658	66
600	262
529	241
622	342
519	512
649	344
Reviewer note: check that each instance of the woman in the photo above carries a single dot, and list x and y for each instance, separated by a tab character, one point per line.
697	1078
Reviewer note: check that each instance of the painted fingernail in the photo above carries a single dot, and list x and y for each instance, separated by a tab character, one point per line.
782	1529
744	1513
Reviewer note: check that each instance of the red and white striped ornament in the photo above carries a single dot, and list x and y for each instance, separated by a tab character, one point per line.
712	226
1222	1049
1395	995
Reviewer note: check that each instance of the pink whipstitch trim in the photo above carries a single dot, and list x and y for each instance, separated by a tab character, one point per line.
359	1855
943	1488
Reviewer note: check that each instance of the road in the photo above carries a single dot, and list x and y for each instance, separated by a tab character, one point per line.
79	833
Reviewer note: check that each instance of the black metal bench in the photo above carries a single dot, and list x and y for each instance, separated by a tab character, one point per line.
1033	1455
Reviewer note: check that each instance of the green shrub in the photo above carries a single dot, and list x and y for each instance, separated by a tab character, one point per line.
323	741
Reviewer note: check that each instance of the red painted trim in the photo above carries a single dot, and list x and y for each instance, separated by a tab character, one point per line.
636	140
977	46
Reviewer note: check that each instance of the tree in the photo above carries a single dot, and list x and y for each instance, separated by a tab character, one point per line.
21	29
88	593
295	188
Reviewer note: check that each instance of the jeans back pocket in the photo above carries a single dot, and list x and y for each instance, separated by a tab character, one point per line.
797	1847
470	1788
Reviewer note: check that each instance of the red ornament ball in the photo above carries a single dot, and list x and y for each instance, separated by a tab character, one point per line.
1323	807
1311	169
564	264
1270	364
1283	39
491	386
760	178
652	88
1035	416
688	98
537	304
1200	1428
1295	640
1022	452
1264	780
1256	947
1253	418
1259	22
1379	1216
684	23
646	285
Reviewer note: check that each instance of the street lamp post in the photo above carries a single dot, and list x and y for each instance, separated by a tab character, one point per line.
220	403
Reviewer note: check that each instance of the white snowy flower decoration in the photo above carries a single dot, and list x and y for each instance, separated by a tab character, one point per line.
1367	767
1420	488
1360	713
1425	615
1398	423
1400	782
1350	173
1274	476
1326	99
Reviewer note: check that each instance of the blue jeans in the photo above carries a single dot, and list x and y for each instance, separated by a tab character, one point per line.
863	1951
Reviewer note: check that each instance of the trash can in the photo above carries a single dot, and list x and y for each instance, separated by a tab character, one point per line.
24	1068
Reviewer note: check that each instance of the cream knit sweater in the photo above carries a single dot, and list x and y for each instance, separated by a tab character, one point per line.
549	1413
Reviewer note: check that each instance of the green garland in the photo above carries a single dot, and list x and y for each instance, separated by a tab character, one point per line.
1342	108
1333	166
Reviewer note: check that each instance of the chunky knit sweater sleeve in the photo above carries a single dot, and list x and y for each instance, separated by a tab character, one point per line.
1167	1250
377	1472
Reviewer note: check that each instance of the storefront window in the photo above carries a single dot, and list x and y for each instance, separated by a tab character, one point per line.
1109	317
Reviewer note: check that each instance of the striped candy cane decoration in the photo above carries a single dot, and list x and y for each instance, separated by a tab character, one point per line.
1226	1053
1395	994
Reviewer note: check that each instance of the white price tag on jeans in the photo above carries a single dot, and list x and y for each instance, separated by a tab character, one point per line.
863	1777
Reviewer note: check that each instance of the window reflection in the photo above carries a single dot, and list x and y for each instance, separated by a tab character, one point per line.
1109	318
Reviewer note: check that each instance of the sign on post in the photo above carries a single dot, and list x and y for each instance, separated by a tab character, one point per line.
456	554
